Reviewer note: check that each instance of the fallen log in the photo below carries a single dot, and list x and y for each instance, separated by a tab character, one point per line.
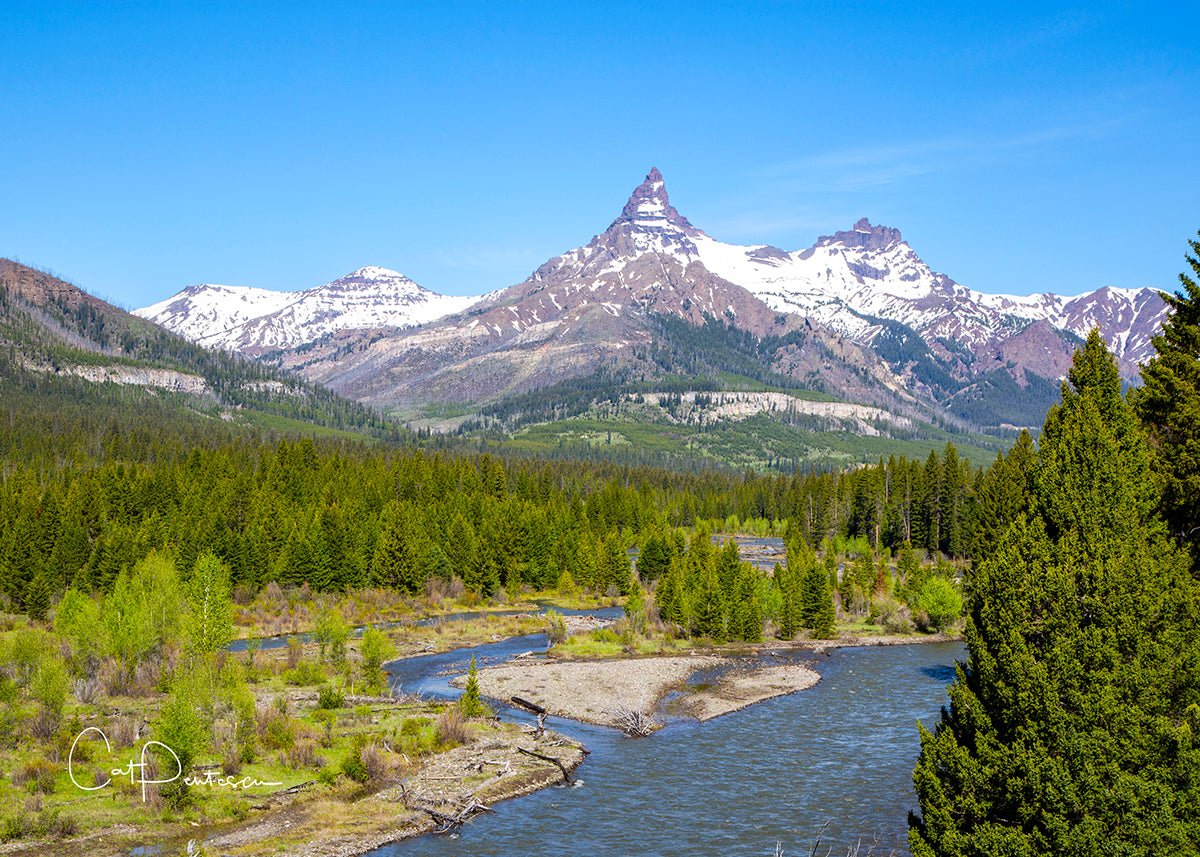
566	774
525	703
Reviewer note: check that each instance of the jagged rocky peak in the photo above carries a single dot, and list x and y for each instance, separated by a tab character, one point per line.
864	235
649	208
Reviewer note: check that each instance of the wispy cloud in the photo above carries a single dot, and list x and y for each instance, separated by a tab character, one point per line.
870	167
1033	35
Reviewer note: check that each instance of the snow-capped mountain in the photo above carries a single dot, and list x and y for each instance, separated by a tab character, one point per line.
256	321
850	280
859	313
587	309
206	310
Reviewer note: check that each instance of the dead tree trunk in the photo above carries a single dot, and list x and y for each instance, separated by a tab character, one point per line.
566	774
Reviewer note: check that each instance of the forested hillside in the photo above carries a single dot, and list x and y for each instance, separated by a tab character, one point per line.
51	330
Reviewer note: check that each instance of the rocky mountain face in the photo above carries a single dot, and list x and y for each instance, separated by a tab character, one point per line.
590	308
855	281
859	314
256	321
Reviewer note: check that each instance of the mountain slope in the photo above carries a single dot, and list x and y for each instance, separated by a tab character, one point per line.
859	314
850	280
51	330
255	321
589	309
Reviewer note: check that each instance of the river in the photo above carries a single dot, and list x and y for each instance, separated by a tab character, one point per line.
834	762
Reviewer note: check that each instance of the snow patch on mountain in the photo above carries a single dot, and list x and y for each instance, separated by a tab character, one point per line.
260	320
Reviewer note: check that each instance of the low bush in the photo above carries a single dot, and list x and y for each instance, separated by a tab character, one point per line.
36	775
329	697
274	729
304	755
451	729
305	673
352	764
556	627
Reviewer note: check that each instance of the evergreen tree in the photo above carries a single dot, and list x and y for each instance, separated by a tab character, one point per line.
1169	406
653	559
37	596
818	609
1072	727
395	563
615	569
668	596
789	600
1004	491
728	562
708	607
469	703
748	608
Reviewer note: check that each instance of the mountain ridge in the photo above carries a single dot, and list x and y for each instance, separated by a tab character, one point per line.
873	319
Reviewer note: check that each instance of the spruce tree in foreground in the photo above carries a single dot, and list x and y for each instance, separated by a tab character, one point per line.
1074	725
1169	405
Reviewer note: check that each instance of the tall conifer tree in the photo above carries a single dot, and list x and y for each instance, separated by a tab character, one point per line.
1073	725
1169	405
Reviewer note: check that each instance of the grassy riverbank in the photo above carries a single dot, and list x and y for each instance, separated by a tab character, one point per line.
295	753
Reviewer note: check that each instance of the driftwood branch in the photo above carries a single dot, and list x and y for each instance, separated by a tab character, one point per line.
525	703
566	774
446	823
636	724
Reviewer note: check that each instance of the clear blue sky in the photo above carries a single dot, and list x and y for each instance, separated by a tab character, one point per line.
147	147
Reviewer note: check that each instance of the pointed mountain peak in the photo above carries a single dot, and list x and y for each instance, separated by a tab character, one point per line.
649	208
864	235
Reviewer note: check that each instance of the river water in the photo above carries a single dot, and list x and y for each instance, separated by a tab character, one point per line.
833	762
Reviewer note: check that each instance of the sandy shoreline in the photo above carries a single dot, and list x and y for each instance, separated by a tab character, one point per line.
596	691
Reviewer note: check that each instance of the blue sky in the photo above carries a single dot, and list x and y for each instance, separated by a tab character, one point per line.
148	147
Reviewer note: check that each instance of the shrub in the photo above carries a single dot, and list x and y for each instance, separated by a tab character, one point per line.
36	775
352	765
237	809
605	635
414	725
231	760
304	755
305	673
86	689
375	648
329	697
937	604
43	725
374	762
295	652
275	729
16	827
556	627
330	632
451	729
